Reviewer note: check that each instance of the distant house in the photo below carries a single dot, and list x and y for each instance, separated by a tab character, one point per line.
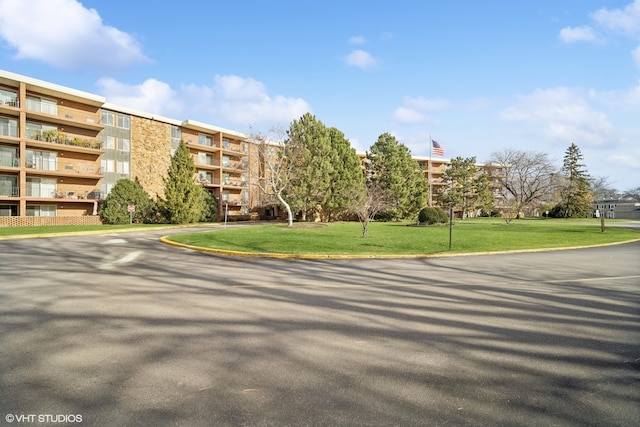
619	209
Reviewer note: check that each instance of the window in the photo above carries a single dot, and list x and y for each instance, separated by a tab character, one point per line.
41	187
42	105
226	179
107	118
176	137
123	167
225	196
41	210
35	130
124	144
8	210
225	143
124	122
205	140
205	159
43	160
205	177
225	161
109	143
8	97
8	186
8	156
8	127
107	165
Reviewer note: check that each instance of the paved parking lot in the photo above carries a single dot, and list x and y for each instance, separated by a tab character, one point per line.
122	330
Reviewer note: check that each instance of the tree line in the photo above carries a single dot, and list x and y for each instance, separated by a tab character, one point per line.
314	174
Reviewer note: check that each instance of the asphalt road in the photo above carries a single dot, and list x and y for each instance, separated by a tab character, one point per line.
121	330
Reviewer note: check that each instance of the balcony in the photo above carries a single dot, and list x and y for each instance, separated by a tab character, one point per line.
60	138
9	191
9	129
9	161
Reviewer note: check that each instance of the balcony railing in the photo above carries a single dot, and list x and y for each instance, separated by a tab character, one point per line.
9	130
10	161
9	191
60	138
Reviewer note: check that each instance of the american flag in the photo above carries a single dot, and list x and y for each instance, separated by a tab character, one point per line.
437	148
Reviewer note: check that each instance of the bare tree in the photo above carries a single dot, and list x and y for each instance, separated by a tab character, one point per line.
527	179
366	204
602	189
277	157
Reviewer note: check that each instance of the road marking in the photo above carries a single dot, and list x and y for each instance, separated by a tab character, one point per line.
114	241
130	257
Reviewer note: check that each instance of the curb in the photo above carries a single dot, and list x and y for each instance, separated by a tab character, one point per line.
165	240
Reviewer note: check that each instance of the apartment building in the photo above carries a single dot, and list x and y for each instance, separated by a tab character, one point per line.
62	151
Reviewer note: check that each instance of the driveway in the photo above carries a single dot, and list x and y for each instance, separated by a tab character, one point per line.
124	331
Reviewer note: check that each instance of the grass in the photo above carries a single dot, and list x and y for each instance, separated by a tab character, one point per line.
385	239
54	229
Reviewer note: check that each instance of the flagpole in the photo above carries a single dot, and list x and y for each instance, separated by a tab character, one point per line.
430	174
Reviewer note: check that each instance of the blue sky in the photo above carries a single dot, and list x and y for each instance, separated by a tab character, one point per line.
479	76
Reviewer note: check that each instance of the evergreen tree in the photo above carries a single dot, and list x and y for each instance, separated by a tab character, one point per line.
395	171
346	179
467	187
126	193
184	198
576	191
311	180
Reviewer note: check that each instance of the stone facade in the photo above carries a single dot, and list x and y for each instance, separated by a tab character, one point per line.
150	154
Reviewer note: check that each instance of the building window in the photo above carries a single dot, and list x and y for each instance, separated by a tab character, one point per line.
36	130
225	161
9	157
8	186
107	118
42	105
8	210
124	144
225	196
9	98
123	167
225	143
205	140
8	127
124	122
41	210
109	143
43	160
41	187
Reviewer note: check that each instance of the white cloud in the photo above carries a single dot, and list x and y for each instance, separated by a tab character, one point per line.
231	99
635	54
626	21
357	40
413	110
361	59
577	34
152	96
65	34
563	114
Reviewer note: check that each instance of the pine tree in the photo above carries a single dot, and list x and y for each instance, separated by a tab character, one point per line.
347	180
309	189
184	199
576	192
467	187
126	193
395	171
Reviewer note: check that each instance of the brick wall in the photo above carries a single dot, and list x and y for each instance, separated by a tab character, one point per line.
34	221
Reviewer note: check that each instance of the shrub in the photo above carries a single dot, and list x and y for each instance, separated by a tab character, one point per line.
124	193
430	216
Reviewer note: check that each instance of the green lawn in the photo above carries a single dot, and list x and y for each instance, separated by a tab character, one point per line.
24	231
477	235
